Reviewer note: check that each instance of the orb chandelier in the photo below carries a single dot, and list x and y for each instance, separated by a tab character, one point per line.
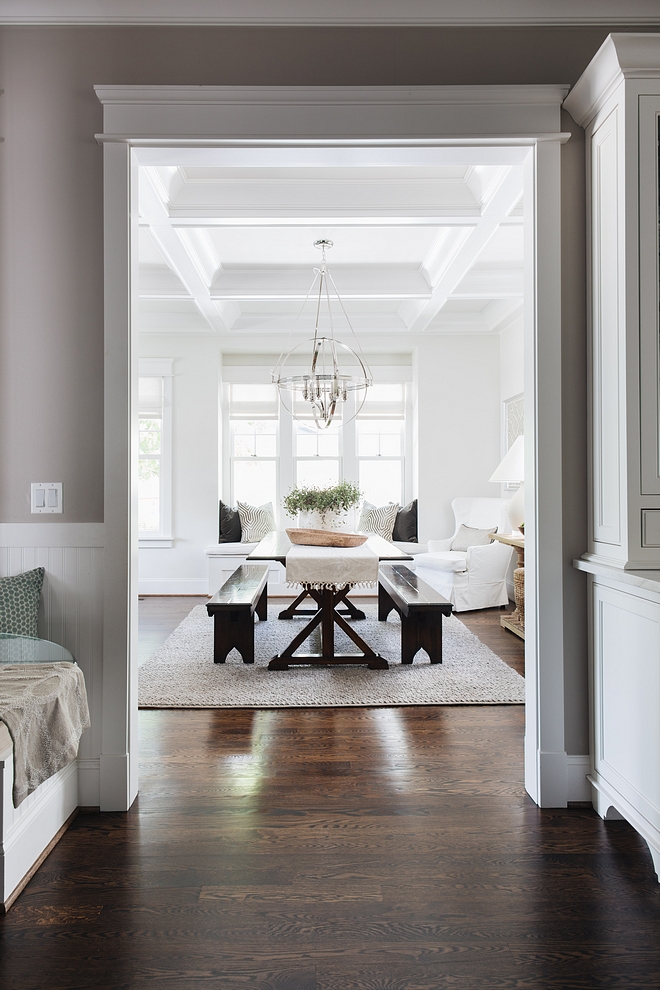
333	371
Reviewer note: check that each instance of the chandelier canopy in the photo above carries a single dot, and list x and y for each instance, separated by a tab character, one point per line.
325	378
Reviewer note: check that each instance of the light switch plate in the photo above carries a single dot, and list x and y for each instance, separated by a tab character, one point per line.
46	496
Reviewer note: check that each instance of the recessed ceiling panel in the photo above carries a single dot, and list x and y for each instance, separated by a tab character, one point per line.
230	251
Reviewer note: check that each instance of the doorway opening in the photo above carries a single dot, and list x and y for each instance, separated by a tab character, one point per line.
537	161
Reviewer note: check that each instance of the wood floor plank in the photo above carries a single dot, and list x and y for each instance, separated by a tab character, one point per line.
338	849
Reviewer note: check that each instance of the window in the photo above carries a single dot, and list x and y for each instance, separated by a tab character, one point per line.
316	454
268	451
254	443
154	452
381	444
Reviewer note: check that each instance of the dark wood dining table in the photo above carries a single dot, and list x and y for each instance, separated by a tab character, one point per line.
327	612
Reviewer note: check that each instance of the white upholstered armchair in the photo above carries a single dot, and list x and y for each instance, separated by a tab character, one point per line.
475	578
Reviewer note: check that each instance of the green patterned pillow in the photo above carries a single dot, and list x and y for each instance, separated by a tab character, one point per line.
19	602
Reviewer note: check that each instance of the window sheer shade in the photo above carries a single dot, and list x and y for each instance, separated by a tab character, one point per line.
155	452
150	398
253	402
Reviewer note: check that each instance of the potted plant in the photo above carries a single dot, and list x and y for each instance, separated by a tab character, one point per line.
322	508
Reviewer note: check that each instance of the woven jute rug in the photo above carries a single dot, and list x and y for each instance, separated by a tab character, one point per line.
181	674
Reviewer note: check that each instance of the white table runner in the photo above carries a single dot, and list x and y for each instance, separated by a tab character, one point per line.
332	567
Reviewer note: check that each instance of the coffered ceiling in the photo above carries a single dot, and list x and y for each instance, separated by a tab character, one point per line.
434	249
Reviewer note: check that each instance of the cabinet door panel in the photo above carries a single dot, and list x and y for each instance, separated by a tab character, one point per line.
649	328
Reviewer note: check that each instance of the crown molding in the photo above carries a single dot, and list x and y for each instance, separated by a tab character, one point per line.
620	57
225	116
294	13
546	95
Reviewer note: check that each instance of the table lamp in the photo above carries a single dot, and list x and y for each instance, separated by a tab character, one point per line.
512	468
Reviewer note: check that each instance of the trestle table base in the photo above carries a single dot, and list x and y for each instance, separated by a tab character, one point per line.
327	616
292	610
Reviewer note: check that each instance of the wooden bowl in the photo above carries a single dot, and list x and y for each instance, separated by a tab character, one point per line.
324	538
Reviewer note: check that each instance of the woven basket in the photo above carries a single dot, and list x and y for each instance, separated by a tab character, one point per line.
325	538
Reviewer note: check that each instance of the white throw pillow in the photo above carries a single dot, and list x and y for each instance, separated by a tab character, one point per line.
257	521
379	520
468	536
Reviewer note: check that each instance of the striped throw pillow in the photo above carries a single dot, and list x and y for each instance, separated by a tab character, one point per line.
379	520
257	521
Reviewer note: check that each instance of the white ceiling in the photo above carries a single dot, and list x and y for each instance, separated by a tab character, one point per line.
432	249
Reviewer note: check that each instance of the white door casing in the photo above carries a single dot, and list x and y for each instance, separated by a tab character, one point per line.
360	125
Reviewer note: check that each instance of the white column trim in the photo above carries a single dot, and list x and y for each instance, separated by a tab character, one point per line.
518	124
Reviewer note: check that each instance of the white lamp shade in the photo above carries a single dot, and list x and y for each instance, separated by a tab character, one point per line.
512	466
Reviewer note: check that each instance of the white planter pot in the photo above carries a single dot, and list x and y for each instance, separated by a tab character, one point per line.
343	521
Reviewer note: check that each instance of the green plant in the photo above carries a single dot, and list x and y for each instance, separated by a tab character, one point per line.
336	499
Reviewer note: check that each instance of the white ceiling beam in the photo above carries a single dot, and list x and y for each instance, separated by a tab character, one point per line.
389	282
460	323
498	206
283	323
161	283
500	314
178	256
424	218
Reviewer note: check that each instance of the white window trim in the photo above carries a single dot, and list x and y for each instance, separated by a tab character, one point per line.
163	539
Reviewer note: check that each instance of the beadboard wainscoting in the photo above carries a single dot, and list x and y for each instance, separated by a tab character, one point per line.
71	613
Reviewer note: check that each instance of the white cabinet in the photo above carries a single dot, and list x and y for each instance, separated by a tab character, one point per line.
617	101
649	300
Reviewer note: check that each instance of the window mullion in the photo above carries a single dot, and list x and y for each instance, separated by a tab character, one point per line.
348	468
286	467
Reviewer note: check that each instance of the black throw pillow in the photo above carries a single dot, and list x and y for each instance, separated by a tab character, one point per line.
230	525
405	524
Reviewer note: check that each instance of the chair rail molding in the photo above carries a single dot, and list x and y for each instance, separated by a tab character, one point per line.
286	126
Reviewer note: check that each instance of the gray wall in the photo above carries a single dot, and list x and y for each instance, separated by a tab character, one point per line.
51	236
51	254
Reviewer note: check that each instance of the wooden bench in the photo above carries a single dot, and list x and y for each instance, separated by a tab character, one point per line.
421	609
233	608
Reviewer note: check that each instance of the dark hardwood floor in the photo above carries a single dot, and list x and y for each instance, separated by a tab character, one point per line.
338	849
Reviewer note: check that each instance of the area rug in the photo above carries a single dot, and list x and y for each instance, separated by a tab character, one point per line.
181	674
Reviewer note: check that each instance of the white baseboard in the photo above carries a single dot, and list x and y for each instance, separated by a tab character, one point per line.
116	786
578	787
173	587
89	783
552	780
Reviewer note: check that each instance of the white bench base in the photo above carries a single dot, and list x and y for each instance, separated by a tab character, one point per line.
29	832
